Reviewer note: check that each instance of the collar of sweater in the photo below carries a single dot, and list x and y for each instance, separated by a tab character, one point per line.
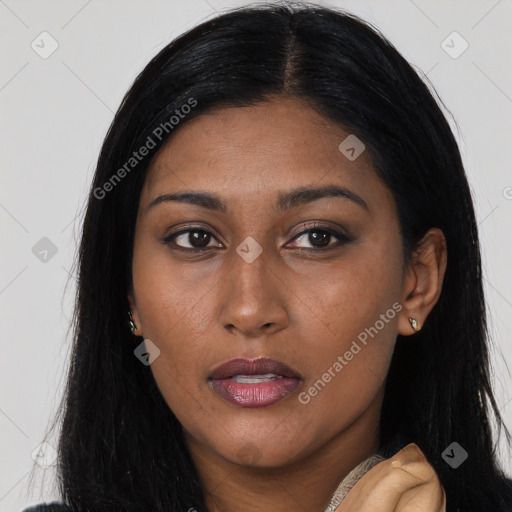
351	479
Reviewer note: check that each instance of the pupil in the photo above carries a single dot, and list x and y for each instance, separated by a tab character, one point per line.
194	237
321	236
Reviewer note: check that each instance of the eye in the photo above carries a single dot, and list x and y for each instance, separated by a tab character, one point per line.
197	238
320	237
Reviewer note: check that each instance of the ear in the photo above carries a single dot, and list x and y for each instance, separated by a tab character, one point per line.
135	314
423	281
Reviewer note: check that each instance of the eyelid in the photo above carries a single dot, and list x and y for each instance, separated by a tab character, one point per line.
335	230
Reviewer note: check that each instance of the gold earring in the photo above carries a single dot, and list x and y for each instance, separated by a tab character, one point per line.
133	327
415	324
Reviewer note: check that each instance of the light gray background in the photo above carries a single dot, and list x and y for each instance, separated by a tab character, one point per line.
55	113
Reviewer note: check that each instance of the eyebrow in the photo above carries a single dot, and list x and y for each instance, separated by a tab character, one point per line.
286	200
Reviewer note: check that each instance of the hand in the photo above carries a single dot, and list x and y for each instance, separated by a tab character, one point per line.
404	483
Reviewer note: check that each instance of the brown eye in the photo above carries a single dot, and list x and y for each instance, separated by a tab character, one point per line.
195	238
320	238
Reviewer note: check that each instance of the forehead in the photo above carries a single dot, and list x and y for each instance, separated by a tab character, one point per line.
251	152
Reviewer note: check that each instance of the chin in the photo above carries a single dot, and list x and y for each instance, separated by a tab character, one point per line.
265	451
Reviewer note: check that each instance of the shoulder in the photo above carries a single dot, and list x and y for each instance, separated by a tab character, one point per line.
49	507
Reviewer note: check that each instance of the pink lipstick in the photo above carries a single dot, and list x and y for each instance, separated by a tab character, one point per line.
254	382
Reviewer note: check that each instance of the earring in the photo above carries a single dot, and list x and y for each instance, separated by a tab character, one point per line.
414	324
133	327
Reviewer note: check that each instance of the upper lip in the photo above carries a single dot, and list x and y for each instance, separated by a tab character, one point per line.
260	366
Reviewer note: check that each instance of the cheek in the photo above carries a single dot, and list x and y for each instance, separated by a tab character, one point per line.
173	322
176	324
348	372
175	310
341	300
171	296
355	325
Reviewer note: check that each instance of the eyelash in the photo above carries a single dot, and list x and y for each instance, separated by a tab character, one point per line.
343	238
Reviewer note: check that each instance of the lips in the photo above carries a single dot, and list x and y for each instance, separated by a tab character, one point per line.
254	383
261	366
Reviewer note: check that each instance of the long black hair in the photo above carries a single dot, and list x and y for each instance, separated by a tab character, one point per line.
120	446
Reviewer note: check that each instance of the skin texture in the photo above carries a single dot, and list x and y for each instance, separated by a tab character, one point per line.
295	302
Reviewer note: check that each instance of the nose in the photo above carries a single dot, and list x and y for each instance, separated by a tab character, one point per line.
254	299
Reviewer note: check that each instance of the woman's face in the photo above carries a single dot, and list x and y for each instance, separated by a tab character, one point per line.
247	282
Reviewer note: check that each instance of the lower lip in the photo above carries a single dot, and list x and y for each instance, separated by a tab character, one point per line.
255	395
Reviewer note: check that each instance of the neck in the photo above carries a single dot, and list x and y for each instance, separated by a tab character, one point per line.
307	484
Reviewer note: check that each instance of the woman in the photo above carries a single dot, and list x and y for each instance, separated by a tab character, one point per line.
280	303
